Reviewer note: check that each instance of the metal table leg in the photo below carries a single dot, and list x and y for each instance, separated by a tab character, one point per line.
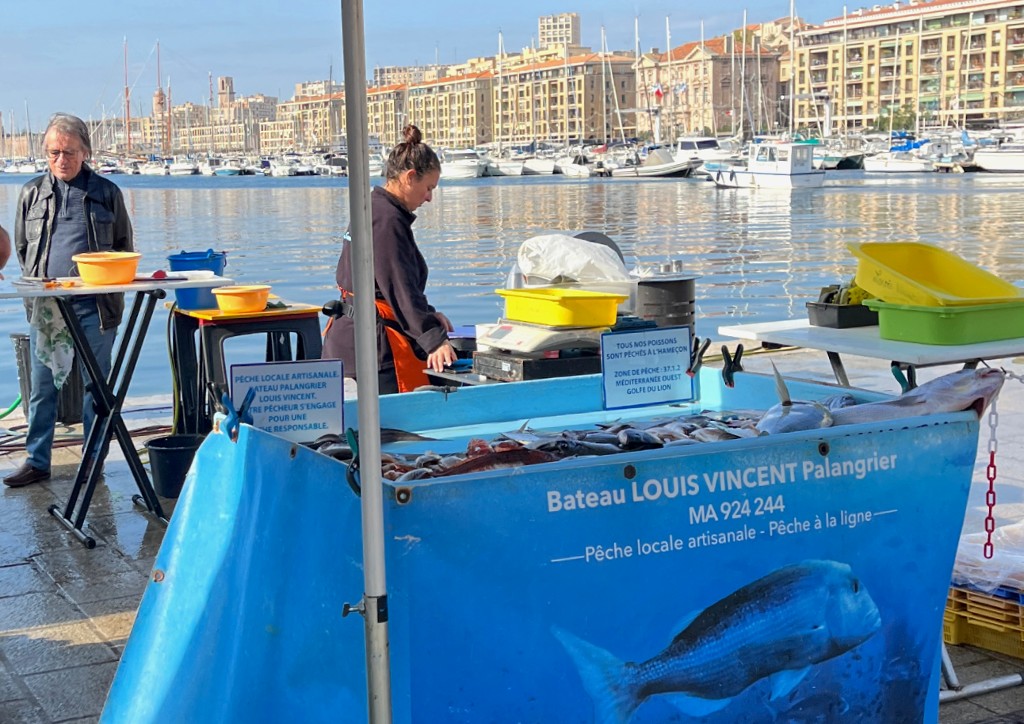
108	397
837	368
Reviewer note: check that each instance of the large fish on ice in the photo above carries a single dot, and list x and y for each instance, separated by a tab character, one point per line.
774	628
955	392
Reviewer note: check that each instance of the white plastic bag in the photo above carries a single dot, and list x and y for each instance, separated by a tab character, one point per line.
559	258
1004	569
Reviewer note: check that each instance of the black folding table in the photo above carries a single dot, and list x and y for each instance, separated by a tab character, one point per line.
108	393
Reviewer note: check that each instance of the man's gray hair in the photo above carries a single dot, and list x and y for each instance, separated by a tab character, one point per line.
69	125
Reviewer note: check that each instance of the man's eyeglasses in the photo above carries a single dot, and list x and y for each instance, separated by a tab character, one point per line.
54	155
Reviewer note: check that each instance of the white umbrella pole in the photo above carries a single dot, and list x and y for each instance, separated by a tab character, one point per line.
375	600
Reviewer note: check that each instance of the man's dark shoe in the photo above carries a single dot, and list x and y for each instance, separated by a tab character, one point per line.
26	475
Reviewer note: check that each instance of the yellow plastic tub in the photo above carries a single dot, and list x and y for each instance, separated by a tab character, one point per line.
561	307
242	299
99	268
926	276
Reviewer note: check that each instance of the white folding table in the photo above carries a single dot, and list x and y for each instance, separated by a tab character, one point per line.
866	342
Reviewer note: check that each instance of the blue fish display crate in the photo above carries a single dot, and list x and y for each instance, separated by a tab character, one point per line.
498	580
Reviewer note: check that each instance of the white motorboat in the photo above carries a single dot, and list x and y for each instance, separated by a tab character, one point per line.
461	164
573	166
773	166
498	166
1007	158
897	162
209	166
183	167
283	167
710	153
230	167
538	166
154	168
377	165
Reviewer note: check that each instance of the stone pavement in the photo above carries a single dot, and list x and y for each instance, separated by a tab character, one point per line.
66	612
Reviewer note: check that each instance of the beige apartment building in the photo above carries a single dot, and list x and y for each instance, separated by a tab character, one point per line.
711	87
949	61
558	30
570	96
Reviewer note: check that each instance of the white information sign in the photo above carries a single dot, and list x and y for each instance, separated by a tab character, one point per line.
299	401
646	367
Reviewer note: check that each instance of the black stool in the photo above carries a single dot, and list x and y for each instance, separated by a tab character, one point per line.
197	371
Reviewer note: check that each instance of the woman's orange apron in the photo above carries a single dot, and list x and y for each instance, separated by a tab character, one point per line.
408	367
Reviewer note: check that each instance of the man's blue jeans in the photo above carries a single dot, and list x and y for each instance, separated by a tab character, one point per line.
42	405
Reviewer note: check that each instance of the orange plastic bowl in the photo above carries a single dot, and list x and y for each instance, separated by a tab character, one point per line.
99	268
242	299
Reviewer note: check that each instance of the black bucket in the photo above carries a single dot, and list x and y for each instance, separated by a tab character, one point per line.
668	301
169	460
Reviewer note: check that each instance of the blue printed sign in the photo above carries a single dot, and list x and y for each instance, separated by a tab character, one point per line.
646	367
300	401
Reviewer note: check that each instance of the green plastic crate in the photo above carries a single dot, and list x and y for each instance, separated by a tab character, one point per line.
967	324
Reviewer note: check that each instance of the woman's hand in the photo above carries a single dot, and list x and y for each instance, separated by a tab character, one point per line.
445	321
441	357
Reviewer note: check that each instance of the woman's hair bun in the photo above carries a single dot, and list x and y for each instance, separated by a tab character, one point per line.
412	135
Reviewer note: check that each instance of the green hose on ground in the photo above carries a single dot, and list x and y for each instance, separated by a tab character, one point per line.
12	408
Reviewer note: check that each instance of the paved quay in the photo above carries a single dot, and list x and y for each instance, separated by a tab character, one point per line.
66	612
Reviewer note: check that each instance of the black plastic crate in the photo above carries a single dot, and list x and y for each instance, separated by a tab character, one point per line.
841	316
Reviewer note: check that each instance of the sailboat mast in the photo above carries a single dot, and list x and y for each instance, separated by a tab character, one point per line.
604	93
127	102
792	69
668	80
501	92
28	133
565	70
743	70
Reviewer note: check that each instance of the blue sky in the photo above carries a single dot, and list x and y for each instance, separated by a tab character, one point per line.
68	55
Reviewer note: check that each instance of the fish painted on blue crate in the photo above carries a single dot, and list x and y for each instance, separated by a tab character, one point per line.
775	628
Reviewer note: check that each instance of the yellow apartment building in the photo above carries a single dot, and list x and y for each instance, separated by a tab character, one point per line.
950	61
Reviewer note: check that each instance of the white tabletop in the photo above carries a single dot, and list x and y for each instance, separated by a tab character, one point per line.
12	288
865	342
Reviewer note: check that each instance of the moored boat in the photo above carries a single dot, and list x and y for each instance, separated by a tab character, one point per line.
461	163
897	162
773	166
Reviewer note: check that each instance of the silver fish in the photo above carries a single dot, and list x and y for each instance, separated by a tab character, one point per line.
957	391
790	415
775	628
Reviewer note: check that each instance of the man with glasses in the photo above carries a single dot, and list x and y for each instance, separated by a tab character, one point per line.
67	211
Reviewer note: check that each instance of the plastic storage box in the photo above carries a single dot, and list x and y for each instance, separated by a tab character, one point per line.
840	316
914	273
561	307
949	325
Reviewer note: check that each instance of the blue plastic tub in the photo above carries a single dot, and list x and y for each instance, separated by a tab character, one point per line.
208	260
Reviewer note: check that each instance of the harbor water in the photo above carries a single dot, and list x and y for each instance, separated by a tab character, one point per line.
757	255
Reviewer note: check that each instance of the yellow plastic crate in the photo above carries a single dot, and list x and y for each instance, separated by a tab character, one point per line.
963	630
927	276
988	622
561	307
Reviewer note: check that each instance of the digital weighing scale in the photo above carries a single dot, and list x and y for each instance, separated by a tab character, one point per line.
513	351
